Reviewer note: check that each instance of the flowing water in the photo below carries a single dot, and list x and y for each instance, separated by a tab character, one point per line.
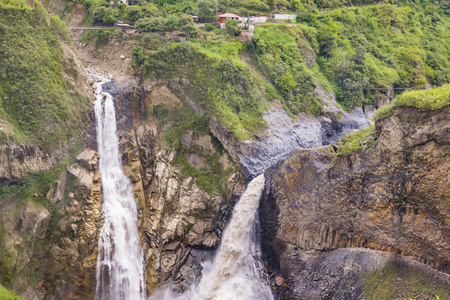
120	265
235	272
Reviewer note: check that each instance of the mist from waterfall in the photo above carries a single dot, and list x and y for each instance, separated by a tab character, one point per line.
120	264
235	272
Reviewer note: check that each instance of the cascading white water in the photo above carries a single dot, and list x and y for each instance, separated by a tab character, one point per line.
234	273
120	271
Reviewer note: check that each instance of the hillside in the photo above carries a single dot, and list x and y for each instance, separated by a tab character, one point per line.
43	101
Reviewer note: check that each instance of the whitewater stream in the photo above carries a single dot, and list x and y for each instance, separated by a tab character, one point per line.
120	264
235	272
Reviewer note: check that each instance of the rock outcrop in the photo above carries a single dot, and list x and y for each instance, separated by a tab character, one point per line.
181	223
284	134
393	197
50	240
17	161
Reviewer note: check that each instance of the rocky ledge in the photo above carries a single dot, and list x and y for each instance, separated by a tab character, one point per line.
393	197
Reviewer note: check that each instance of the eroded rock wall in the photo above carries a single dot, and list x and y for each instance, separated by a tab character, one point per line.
393	197
49	241
180	222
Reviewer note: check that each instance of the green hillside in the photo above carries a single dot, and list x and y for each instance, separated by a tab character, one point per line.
38	96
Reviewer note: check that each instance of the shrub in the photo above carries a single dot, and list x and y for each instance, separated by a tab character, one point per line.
134	12
428	99
207	8
105	15
351	142
154	24
209	27
232	28
60	27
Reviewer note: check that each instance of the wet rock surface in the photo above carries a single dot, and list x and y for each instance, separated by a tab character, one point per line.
181	224
284	134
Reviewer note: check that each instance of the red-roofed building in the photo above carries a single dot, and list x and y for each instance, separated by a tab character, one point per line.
223	17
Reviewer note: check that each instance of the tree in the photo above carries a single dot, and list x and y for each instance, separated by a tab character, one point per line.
359	57
41	12
271	4
109	16
134	12
232	28
150	24
206	8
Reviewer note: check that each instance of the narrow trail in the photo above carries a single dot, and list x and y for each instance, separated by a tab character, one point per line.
91	27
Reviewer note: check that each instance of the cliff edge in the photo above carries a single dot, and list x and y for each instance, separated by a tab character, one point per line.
392	194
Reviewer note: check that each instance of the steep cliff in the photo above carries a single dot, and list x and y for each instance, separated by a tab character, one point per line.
391	194
49	192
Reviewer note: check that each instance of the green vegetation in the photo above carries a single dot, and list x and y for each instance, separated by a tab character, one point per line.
365	50
181	22
207	8
277	49
232	28
43	106
217	80
8	295
352	142
359	53
430	99
101	36
397	281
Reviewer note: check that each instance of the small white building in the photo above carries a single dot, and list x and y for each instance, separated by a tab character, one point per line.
285	17
253	20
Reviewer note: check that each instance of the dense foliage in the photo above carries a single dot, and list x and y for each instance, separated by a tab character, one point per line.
220	84
44	108
278	51
364	51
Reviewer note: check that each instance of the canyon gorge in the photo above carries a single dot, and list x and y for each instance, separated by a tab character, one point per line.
169	165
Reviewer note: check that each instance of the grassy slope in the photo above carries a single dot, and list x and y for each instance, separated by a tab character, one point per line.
396	281
357	52
219	82
428	99
35	97
8	295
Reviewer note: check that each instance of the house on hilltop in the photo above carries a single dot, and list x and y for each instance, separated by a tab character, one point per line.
223	17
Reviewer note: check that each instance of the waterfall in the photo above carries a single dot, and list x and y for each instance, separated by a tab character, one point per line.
235	272
120	271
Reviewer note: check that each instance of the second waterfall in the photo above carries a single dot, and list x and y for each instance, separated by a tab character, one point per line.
235	273
120	266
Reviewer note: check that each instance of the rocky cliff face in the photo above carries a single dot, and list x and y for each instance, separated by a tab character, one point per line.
17	161
45	235
180	222
284	134
393	197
